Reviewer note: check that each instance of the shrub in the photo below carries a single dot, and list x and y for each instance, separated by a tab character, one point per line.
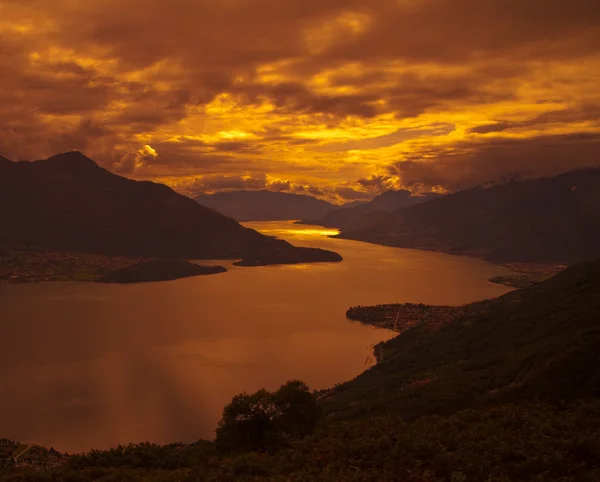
264	421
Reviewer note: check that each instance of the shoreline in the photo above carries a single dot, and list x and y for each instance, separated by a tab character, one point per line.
23	265
20	265
525	273
37	265
400	317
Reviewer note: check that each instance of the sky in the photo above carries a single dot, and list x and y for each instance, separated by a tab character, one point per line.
341	99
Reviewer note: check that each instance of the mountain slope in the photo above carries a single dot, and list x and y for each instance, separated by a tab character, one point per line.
265	205
366	215
68	202
542	342
544	220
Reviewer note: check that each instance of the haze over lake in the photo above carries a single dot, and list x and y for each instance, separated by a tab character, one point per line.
87	365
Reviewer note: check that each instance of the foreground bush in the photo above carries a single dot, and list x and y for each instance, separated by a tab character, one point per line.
264	421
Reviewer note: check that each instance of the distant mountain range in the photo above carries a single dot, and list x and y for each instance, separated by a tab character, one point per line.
366	215
544	220
68	202
265	205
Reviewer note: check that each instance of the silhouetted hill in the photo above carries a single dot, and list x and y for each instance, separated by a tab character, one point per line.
68	202
159	270
545	220
352	204
366	215
265	205
541	342
291	256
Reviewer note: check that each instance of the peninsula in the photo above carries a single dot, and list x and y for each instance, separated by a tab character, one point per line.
30	265
291	256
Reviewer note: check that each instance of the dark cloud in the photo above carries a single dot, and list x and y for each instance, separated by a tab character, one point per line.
479	162
458	30
378	182
586	112
352	194
219	182
280	185
497	127
386	140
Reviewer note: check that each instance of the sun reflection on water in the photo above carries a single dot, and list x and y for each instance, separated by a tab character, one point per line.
298	232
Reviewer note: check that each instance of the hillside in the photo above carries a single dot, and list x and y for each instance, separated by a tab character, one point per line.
545	220
364	216
69	203
265	205
542	342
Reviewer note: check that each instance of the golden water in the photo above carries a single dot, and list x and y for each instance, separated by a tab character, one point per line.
87	365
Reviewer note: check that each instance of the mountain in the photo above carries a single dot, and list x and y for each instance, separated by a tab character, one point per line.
352	204
265	205
68	202
364	215
544	220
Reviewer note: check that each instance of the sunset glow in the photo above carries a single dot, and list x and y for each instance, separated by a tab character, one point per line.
336	99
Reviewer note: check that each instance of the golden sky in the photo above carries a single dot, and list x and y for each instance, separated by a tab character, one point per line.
337	98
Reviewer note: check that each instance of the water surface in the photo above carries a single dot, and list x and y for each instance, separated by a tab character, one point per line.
86	365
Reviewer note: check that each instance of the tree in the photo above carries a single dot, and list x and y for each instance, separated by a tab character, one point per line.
264	421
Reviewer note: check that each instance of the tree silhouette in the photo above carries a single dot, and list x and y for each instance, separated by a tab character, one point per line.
264	421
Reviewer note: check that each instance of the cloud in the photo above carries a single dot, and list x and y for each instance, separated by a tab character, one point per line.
479	162
135	160
352	194
280	185
212	183
378	182
315	94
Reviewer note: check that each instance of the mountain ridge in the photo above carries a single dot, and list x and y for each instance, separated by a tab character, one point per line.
553	219
265	205
68	202
367	214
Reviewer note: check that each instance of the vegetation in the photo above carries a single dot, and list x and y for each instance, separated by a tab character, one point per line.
265	421
31	264
512	442
400	317
23	265
542	342
527	274
507	391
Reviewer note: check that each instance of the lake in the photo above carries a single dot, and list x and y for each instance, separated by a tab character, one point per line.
86	365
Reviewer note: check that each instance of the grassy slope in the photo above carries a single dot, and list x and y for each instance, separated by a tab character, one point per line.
542	342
